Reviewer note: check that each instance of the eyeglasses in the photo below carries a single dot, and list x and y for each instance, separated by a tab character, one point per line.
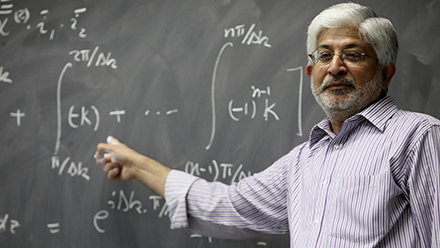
350	57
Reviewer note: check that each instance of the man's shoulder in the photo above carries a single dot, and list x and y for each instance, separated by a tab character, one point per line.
411	124
415	117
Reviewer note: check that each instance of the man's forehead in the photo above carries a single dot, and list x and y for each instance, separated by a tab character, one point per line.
347	37
344	46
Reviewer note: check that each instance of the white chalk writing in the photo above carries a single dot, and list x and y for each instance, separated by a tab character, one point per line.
4	76
13	224
249	36
251	108
124	205
54	227
97	57
73	169
218	170
22	16
18	114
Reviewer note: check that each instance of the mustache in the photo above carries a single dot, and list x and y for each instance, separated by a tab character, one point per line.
331	80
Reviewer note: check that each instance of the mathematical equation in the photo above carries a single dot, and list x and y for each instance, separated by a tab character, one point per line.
120	202
124	204
260	103
102	58
250	109
73	169
81	116
217	170
6	222
22	17
250	36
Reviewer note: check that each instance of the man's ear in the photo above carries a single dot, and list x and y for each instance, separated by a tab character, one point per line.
388	72
309	70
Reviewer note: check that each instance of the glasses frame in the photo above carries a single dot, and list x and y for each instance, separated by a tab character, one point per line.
340	57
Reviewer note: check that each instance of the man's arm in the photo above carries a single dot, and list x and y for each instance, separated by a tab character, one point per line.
190	206
425	187
123	163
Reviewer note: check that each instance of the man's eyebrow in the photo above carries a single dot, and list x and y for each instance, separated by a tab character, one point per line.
350	45
355	45
323	46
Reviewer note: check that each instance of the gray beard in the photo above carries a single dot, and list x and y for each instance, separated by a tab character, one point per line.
355	100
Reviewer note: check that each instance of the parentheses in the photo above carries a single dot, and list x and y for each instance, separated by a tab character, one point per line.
73	125
255	109
216	170
97	117
230	111
300	68
300	132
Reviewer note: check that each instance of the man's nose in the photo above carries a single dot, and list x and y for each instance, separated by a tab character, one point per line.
337	66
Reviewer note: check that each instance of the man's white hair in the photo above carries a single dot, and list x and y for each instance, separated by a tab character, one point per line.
376	31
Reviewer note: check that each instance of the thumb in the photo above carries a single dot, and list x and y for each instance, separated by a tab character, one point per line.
113	141
104	150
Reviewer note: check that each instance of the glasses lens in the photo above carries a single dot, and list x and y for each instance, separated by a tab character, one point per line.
323	56
352	57
349	57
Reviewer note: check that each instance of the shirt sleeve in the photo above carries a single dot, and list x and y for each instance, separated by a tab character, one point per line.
424	186
176	189
255	205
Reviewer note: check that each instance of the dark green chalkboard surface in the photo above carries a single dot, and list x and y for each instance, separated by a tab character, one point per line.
214	88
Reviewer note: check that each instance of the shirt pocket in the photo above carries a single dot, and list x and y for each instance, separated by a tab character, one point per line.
359	207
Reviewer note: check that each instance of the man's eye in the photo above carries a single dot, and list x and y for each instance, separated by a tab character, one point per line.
325	56
353	55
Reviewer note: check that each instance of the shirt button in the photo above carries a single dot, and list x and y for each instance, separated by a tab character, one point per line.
324	183
336	147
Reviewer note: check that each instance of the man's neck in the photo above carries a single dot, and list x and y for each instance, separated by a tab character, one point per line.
337	118
336	121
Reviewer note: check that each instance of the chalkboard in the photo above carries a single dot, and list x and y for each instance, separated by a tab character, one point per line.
214	88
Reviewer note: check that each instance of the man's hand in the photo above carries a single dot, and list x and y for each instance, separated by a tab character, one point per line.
118	159
123	163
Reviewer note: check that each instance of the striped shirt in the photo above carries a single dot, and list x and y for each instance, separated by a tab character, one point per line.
374	184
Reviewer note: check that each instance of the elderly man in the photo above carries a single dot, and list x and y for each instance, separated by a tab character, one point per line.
367	177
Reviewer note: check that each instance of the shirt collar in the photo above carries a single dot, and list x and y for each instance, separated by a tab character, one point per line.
377	114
